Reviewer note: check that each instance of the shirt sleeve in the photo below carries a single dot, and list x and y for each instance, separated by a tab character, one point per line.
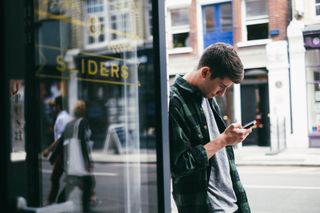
58	128
185	158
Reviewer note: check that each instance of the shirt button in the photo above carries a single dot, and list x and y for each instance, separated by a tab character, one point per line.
205	127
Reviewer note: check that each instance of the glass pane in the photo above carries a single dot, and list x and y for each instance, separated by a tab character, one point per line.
313	95
180	17
17	107
180	40
256	8
226	17
318	10
97	105
257	31
209	19
314	101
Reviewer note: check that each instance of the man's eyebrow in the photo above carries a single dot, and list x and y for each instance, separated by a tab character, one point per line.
224	86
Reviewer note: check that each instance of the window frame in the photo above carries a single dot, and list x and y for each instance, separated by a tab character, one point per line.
148	20
177	30
102	14
314	9
253	20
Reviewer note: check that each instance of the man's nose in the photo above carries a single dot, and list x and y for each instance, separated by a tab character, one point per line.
221	92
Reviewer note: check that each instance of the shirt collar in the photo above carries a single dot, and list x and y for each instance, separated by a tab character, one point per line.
186	86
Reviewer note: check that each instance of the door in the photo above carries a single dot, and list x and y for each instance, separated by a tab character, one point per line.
255	106
217	23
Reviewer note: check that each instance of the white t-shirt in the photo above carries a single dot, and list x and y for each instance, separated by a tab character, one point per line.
62	119
220	190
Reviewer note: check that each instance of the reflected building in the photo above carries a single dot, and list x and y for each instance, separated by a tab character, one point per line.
107	53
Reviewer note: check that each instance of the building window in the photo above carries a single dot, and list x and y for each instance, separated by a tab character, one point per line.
107	21
256	20
317	7
148	20
96	22
180	27
217	23
120	18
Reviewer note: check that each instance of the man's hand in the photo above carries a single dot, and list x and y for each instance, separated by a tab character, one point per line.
45	152
235	134
232	135
15	85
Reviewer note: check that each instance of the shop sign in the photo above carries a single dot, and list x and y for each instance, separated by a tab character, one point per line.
312	39
89	67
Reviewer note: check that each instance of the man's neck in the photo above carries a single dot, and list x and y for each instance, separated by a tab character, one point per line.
192	78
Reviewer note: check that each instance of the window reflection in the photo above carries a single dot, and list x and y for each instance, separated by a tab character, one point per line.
209	19
100	52
17	99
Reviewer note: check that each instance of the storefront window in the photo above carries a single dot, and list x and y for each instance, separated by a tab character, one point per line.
313	96
94	60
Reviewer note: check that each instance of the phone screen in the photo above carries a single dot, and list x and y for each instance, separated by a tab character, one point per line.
250	124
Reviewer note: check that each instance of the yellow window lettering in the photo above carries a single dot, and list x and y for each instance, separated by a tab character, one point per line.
124	71
103	70
114	70
83	66
61	66
92	67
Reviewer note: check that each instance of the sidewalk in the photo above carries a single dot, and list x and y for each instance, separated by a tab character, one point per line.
261	156
244	156
142	157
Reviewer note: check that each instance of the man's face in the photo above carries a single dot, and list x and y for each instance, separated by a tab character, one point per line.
215	87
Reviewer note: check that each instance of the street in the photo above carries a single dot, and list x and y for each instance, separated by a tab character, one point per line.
280	189
112	188
276	189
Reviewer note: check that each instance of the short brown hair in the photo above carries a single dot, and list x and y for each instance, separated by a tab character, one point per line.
223	61
79	109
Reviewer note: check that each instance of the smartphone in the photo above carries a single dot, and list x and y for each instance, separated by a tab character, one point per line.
250	124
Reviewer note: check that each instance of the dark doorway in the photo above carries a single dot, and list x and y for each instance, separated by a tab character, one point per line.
255	106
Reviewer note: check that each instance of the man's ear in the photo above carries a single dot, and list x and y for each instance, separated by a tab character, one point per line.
205	71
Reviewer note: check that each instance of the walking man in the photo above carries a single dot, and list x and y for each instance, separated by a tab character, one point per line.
56	158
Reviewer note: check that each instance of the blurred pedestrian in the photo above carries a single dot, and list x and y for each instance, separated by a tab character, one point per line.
78	164
56	158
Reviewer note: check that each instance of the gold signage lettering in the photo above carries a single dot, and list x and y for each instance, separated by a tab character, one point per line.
82	66
103	70
114	70
95	66
124	71
61	66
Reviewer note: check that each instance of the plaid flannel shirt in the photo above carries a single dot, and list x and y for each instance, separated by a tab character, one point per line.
190	166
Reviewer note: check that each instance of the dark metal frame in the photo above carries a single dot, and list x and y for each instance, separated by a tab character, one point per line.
163	162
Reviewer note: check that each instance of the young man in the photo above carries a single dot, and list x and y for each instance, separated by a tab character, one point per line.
203	170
